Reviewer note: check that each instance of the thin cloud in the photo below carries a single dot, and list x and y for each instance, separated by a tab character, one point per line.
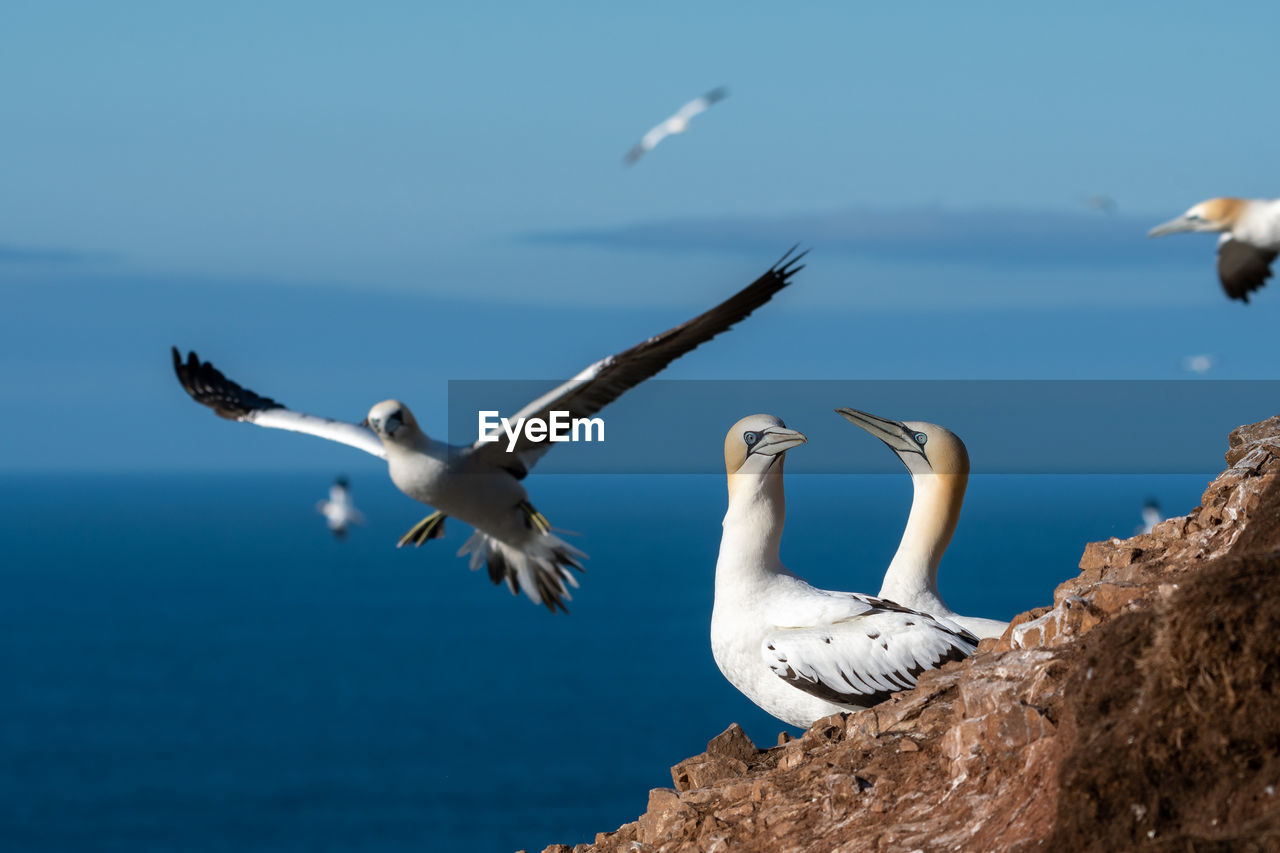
980	237
10	254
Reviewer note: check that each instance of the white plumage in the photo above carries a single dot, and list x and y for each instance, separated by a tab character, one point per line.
938	463
1249	244
678	122
339	510
480	484
799	652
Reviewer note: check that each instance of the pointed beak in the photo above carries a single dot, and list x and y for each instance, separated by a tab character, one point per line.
893	433
1173	226
365	423
777	440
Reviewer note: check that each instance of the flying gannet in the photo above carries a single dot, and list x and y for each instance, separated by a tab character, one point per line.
799	652
1151	515
480	484
938	463
1250	239
339	510
676	123
1199	363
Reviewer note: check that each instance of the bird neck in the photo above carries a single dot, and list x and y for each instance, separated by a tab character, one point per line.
752	529
935	510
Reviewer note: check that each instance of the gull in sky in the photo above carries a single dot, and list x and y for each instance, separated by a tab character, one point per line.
676	123
1250	240
339	510
480	484
799	652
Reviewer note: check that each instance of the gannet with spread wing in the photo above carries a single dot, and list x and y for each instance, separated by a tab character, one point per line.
1249	243
676	123
480	484
938	463
799	652
339	510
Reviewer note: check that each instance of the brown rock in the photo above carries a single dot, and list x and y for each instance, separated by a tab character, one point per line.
1138	710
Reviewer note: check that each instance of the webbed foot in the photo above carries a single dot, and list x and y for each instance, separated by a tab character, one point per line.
535	519
431	527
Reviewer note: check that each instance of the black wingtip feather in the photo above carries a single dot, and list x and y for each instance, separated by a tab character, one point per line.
209	387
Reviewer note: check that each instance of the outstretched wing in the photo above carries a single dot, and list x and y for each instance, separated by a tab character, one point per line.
607	379
208	387
1242	268
647	143
864	658
701	104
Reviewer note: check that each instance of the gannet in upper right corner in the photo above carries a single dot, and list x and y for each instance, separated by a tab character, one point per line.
938	463
799	652
339	510
678	122
480	483
1250	238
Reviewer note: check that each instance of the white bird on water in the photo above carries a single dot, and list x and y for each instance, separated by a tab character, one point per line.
339	510
1250	239
480	484
938	463
799	652
676	123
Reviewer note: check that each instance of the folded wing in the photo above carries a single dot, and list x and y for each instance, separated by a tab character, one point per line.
862	659
209	387
1242	268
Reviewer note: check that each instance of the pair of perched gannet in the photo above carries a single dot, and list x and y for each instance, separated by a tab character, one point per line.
480	484
1250	241
803	653
339	510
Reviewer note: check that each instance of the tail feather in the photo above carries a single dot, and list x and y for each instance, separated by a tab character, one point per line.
542	573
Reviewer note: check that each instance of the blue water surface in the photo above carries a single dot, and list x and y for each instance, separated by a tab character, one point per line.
190	662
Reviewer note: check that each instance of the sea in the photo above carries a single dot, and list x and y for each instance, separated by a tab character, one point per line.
191	662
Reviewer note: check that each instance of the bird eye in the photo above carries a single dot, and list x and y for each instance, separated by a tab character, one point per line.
921	438
750	438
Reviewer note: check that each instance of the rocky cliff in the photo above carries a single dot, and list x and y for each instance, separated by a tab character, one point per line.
1139	711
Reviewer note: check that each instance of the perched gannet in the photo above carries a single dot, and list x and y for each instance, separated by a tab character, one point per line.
480	484
939	466
1249	242
798	652
677	123
339	510
1151	515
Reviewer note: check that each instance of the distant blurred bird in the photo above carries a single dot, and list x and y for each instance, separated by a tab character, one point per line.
677	123
340	510
1250	239
1099	202
480	483
1198	363
1151	515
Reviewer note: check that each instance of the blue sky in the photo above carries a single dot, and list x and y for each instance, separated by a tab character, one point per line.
347	200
